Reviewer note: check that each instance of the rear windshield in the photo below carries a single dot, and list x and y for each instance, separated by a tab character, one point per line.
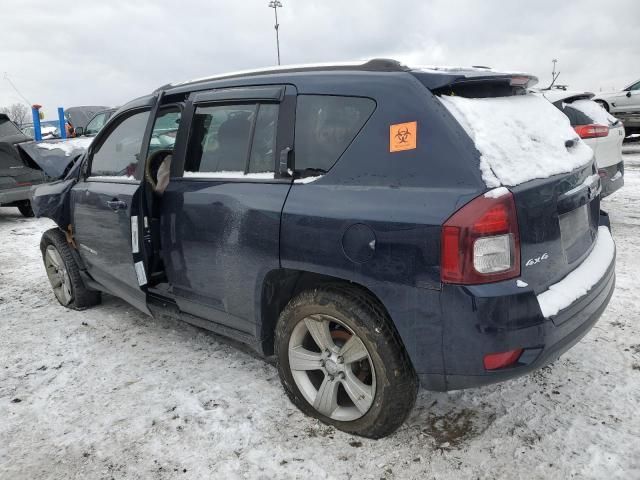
594	111
520	138
575	116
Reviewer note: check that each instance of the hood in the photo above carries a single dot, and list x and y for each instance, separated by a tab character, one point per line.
54	157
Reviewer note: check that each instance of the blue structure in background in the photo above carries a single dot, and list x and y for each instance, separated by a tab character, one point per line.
63	130
35	112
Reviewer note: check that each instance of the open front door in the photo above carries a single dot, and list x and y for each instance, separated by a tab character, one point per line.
102	203
220	214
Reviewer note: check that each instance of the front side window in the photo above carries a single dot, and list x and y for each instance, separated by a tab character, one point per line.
325	126
635	86
96	123
232	141
118	155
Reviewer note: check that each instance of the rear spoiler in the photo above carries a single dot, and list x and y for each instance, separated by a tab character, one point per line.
442	80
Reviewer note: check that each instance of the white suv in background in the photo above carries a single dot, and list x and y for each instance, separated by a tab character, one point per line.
598	129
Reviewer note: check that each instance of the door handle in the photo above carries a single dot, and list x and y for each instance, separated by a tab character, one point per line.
116	204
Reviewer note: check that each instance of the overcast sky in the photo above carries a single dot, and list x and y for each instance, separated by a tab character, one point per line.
108	52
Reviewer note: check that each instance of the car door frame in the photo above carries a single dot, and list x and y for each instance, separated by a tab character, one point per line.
282	162
133	294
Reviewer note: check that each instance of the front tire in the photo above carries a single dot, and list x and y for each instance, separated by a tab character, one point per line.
341	361
26	210
64	274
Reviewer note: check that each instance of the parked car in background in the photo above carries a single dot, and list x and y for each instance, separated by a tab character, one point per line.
48	128
371	225
80	117
624	104
599	129
625	100
25	163
95	124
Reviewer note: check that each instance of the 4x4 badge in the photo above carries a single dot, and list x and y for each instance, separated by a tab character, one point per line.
533	261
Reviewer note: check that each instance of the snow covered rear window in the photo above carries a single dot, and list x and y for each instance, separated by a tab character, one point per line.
594	111
520	138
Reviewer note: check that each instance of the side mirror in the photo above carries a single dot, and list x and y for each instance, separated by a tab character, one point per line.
79	131
628	93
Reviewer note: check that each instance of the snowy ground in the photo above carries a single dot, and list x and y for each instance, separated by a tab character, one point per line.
109	393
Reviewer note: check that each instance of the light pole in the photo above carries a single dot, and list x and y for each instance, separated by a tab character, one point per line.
275	4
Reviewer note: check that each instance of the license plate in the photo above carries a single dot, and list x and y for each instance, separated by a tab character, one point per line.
575	231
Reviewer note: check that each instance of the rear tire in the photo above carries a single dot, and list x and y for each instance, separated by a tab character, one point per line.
367	389
26	210
64	273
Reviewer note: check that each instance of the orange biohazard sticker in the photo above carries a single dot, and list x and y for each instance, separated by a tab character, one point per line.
403	136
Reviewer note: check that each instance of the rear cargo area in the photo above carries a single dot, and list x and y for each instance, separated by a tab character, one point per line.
529	146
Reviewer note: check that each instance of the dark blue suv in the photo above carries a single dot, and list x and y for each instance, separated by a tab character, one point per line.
372	226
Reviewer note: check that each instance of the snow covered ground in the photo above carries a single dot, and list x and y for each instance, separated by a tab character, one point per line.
109	393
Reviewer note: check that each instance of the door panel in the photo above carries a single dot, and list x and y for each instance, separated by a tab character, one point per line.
221	239
220	222
102	205
102	231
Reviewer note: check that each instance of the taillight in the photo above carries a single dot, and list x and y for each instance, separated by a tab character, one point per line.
480	243
592	131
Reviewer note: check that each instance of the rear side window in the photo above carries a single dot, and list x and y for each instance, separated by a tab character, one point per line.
576	117
325	126
232	141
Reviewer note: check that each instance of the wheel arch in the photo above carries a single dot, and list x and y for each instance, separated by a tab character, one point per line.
283	284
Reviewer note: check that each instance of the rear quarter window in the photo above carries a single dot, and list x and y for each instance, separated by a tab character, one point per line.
325	126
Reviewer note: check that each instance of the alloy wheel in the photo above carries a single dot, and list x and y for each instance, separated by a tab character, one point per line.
332	368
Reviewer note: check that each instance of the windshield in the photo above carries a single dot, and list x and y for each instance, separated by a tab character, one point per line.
7	128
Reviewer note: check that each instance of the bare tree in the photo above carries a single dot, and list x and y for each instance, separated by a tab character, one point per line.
17	112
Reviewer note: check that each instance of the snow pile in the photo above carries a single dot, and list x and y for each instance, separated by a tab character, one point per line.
230	174
113	177
595	111
497	192
307	179
68	146
580	281
520	138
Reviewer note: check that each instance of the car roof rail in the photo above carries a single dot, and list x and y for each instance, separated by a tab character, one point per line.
373	65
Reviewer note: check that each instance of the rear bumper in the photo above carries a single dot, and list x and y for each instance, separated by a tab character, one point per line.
500	317
16	194
612	178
